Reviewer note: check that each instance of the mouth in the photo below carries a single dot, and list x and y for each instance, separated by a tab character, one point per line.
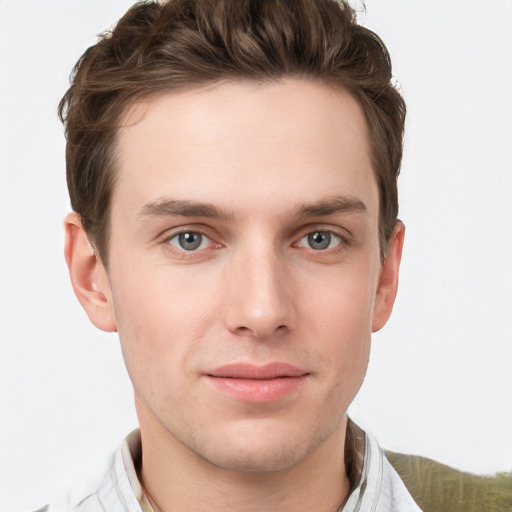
252	383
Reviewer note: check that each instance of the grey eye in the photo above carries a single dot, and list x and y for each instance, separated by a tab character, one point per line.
319	240
188	241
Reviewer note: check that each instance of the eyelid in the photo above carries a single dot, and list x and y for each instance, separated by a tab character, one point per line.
175	241
341	241
169	234
342	235
338	231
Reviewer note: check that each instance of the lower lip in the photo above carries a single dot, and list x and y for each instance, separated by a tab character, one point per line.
258	390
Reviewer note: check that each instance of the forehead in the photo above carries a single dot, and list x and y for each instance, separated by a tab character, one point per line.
293	140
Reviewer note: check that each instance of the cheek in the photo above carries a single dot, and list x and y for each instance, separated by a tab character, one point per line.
341	322
160	299
159	321
342	299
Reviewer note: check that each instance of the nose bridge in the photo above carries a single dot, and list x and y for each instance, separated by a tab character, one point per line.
260	296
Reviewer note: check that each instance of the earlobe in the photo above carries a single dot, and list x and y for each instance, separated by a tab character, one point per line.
88	275
388	278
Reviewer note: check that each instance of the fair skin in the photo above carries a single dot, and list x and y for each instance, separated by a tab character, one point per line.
244	279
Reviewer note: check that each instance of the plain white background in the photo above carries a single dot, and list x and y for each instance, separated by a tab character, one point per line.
439	382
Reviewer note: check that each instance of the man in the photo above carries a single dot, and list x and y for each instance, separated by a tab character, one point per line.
232	169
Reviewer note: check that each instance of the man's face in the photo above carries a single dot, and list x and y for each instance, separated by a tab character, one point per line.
244	267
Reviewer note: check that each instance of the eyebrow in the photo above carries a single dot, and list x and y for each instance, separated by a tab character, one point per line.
186	208
331	206
183	208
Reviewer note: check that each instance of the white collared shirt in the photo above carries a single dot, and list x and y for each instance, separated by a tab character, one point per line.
380	489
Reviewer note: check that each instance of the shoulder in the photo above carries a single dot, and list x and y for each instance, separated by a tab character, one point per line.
440	488
112	490
379	487
87	505
94	502
90	503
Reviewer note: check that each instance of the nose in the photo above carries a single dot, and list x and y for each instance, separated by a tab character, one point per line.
259	295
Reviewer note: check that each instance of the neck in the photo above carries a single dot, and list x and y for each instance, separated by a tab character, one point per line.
177	479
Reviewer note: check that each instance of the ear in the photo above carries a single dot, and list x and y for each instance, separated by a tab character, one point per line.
388	278
88	275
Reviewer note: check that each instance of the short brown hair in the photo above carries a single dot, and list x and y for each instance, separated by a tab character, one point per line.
180	44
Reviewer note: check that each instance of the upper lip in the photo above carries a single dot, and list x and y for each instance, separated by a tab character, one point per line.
252	371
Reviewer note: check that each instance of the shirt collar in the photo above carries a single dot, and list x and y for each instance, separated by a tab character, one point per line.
356	461
131	451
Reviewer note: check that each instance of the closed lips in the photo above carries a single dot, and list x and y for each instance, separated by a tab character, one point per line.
256	372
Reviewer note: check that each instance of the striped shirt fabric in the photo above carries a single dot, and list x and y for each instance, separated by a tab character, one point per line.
378	487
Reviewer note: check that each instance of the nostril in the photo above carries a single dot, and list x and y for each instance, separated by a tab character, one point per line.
261	333
281	328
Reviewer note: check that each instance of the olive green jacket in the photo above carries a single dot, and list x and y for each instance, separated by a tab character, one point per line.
439	488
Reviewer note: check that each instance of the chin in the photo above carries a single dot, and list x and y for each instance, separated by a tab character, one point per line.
260	449
267	460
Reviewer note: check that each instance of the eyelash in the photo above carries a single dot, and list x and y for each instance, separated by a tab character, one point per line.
343	241
182	252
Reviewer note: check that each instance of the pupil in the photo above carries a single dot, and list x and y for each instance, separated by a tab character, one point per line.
190	241
319	240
